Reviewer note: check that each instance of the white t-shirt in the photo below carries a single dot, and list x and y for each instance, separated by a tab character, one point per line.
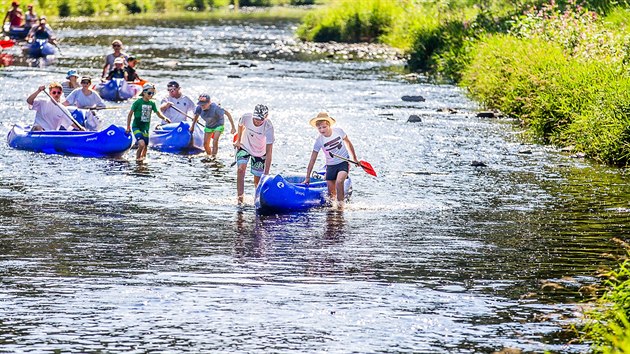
332	144
256	138
50	116
81	100
184	103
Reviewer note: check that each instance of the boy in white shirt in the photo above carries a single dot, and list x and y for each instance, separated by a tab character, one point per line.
332	141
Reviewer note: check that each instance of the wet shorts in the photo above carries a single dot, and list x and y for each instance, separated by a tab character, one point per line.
258	163
219	129
333	170
141	135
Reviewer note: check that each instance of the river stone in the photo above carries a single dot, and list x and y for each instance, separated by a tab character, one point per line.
233	77
414	118
478	164
413	98
486	114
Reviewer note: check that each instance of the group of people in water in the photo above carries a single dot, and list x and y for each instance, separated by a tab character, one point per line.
28	25
254	139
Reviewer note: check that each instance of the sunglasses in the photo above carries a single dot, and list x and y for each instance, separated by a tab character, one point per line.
172	88
116	45
85	82
55	92
150	93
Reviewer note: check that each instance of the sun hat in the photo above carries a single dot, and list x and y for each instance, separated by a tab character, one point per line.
322	116
203	98
148	86
260	112
71	73
86	78
117	41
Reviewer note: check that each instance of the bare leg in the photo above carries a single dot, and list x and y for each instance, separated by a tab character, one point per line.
215	144
332	191
341	178
240	182
256	180
206	143
140	152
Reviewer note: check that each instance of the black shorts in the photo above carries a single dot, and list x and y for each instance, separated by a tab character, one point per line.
333	170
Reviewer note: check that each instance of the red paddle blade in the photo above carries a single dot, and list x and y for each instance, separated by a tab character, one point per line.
6	43
235	138
367	168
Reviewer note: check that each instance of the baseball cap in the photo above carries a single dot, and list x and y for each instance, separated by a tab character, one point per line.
260	112
172	84
148	86
203	98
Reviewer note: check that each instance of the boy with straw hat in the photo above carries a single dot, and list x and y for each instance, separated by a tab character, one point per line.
332	141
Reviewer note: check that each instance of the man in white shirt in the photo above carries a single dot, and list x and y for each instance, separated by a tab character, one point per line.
175	103
255	142
50	113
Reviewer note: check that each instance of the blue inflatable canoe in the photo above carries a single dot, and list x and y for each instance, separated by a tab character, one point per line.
40	48
111	142
177	138
280	193
118	90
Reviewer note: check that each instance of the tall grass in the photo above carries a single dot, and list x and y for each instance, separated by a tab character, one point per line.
607	324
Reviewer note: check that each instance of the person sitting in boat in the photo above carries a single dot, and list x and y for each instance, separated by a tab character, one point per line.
71	83
176	105
15	16
86	98
213	114
119	71
132	74
332	141
30	17
255	142
50	113
110	58
42	31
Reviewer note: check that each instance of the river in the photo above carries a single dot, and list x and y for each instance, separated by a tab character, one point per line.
433	255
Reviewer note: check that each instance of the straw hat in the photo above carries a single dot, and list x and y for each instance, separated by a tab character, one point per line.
322	116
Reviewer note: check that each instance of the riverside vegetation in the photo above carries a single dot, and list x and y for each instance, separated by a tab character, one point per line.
560	68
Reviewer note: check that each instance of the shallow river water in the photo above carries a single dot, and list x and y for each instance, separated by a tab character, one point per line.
434	255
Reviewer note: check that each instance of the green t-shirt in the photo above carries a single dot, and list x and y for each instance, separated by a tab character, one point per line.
142	114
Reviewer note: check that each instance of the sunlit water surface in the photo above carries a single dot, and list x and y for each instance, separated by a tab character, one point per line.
434	255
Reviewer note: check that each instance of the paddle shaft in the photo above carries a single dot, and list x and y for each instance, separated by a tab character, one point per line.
184	113
346	159
65	111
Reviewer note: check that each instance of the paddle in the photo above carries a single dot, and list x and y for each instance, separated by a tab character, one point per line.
235	157
65	112
6	43
363	164
187	116
102	108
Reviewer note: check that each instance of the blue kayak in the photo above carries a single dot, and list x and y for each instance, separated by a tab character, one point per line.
40	48
280	193
18	33
118	90
177	138
111	142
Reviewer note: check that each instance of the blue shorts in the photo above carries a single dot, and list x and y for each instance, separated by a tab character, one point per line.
141	135
333	170
258	163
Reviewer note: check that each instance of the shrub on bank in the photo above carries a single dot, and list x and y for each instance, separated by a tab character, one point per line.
608	324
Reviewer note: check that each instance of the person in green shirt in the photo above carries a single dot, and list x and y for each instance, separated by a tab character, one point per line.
141	111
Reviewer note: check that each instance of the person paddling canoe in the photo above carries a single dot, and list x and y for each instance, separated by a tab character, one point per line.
50	113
